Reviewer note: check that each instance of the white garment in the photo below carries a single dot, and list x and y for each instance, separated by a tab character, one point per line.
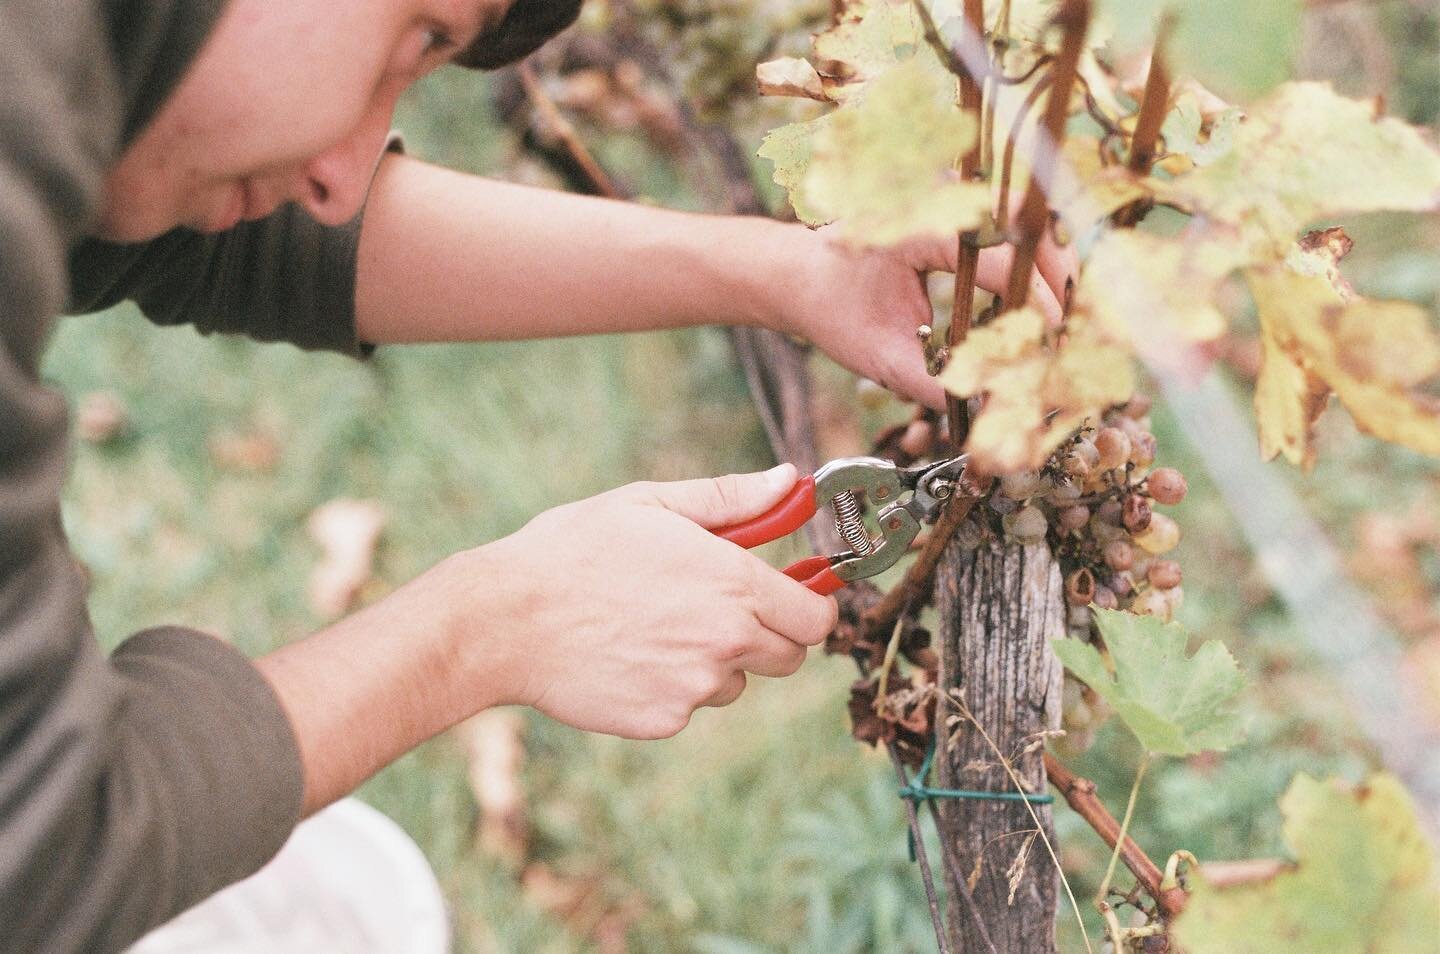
349	881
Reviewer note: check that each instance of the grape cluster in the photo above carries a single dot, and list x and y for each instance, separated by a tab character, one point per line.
1095	502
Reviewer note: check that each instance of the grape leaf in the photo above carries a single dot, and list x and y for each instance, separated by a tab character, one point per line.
884	163
789	148
1190	132
1238	47
1306	153
1036	395
1364	880
1159	290
870	38
1175	705
1091	191
1316	338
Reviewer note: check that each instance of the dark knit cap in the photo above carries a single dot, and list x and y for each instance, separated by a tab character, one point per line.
527	25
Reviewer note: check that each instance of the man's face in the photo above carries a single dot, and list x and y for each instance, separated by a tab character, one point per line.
286	102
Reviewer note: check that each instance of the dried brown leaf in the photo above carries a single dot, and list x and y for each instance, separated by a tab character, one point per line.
348	532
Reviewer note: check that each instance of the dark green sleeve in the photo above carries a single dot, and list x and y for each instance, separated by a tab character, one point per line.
131	785
283	278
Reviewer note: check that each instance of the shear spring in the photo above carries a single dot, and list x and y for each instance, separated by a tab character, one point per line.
850	525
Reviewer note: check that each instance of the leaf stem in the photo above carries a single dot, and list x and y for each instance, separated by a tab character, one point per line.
1124	827
1074	19
1080	795
1153	107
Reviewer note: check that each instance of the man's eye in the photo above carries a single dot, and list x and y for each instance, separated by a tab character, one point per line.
437	41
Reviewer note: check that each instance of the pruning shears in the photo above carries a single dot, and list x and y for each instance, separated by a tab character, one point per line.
840	484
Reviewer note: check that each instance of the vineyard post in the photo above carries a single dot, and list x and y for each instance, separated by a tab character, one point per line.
999	606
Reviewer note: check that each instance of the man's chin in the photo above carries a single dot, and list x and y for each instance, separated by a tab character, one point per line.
125	229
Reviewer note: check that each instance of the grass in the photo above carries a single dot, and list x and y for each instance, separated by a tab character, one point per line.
762	827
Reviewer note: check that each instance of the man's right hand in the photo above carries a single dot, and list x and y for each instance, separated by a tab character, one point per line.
623	614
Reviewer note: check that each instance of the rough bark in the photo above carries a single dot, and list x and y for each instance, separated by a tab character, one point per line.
999	607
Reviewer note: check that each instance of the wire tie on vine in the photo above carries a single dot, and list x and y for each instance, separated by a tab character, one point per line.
917	791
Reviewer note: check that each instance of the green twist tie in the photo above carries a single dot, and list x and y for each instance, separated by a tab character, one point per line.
917	791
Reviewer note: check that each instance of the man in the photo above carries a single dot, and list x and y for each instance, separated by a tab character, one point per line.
212	161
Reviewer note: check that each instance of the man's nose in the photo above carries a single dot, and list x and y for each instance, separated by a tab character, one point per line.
335	182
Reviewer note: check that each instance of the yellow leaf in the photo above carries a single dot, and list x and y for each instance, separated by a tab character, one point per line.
884	163
1036	393
1371	354
1364	880
1158	291
1306	153
1091	191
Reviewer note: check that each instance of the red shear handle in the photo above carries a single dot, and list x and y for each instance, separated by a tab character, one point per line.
779	521
816	573
782	520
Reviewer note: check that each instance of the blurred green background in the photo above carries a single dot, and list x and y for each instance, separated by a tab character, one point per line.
763	827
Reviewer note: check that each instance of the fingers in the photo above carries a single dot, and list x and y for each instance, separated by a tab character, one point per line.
788	608
774	656
1056	265
719	501
1060	264
994	276
729	692
931	253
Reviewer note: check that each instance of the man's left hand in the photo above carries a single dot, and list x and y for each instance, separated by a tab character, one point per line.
862	307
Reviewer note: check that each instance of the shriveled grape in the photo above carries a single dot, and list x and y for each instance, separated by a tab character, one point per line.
1119	555
1164	574
1026	525
1022	486
1080	587
1162	536
1135	514
1167	485
1151	603
1142	449
1113	448
1073	518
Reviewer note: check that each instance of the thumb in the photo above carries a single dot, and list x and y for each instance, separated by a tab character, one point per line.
720	501
930	253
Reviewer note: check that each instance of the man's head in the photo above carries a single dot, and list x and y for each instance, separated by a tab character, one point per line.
292	102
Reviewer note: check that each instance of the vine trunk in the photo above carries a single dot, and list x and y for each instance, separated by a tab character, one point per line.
999	606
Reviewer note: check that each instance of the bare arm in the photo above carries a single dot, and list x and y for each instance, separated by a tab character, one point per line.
606	643
446	256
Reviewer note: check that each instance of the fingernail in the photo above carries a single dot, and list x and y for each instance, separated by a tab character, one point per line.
781	476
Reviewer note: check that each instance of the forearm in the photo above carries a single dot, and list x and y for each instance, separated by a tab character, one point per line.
364	691
446	256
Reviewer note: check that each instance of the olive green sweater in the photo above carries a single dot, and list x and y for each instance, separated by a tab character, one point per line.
131	786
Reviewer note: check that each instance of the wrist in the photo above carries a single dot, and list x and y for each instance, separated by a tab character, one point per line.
488	650
779	262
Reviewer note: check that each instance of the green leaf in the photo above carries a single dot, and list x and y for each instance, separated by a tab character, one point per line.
789	148
884	163
1239	48
1364	880
1307	153
1175	705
